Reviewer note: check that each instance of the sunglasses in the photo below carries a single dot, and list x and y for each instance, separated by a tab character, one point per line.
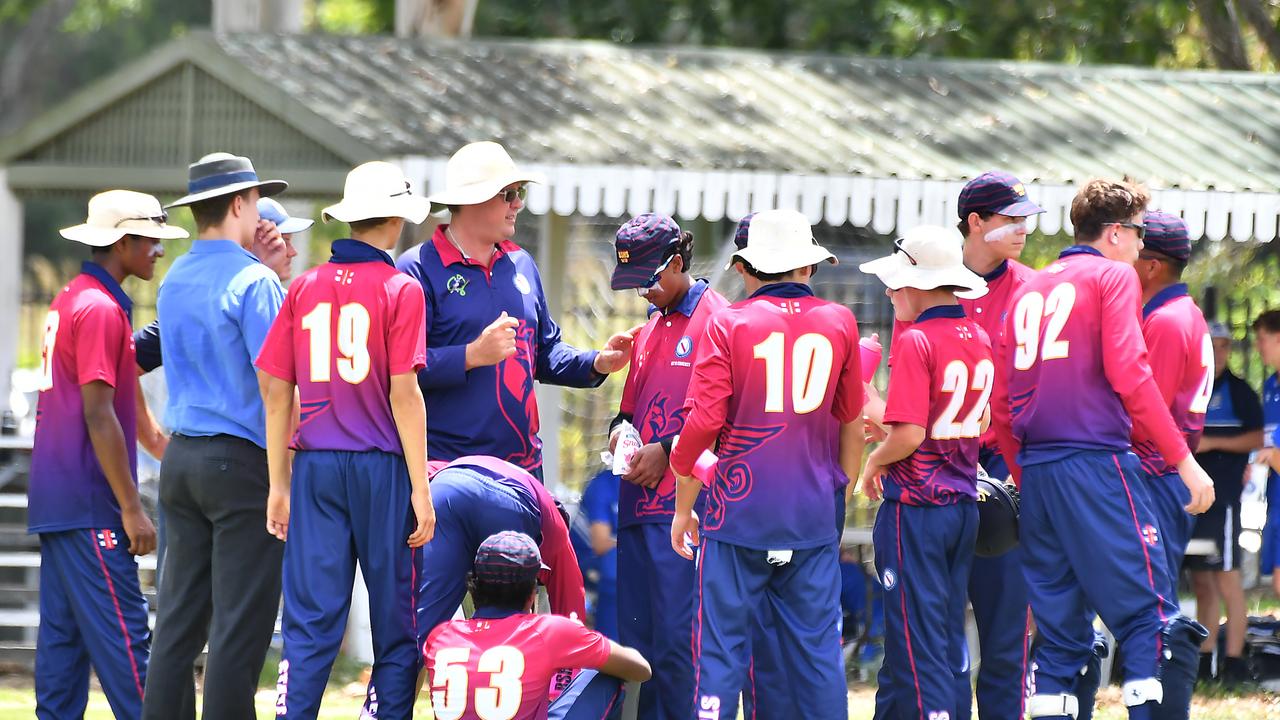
160	219
406	190
897	247
509	196
1140	229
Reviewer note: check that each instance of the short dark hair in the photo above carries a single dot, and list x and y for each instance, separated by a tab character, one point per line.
1101	202
503	596
684	248
772	277
360	226
1176	265
963	225
214	210
1268	321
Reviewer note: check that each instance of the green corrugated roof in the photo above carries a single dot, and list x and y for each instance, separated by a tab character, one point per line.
603	104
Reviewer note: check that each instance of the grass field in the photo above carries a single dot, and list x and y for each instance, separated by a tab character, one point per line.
17	703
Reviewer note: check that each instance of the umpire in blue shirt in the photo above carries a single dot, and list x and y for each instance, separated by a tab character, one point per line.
489	332
221	581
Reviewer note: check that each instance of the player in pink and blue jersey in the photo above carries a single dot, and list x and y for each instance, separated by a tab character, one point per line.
926	471
83	497
653	257
776	381
1080	385
1181	355
500	663
350	339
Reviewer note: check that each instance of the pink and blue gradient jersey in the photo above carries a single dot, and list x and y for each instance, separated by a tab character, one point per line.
775	376
500	664
346	327
1181	356
88	338
1077	365
661	365
941	380
491	410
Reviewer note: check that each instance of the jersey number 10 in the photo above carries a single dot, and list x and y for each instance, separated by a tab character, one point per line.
353	342
811	360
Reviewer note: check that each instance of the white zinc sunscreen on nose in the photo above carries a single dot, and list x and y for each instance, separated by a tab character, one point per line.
1006	232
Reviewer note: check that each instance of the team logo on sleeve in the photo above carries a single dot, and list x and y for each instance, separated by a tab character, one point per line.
457	285
522	284
684	347
107	539
890	579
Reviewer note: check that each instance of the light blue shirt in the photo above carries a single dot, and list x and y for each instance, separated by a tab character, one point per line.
217	303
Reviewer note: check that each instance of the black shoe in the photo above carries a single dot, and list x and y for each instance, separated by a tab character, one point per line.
1236	672
1205	673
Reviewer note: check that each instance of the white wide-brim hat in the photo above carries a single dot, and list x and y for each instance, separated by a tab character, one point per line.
926	258
116	213
780	241
477	173
377	190
221	173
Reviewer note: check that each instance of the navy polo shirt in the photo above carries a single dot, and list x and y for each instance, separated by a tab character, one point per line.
488	410
1233	410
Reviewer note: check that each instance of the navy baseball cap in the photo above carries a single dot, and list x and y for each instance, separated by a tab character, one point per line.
1167	235
996	192
508	558
643	245
740	235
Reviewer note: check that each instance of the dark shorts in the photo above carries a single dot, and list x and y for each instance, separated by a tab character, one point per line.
1221	525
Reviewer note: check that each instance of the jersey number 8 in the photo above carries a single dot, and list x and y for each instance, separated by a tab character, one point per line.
499	701
353	342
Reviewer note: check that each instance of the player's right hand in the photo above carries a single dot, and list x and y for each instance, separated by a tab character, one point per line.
684	534
648	466
425	515
278	514
495	344
1198	483
870	485
141	533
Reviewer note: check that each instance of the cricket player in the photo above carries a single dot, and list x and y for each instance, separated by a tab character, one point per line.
653	258
1181	355
350	339
777	381
83	497
1266	328
1079	386
926	470
500	662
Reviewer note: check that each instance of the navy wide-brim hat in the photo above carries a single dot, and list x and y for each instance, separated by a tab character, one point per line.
642	245
1167	234
220	174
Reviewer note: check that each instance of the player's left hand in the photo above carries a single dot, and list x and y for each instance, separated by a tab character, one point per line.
266	240
683	526
870	485
278	514
616	353
648	466
1198	483
425	514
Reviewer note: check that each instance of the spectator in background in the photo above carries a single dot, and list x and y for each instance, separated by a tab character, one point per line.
1232	430
279	255
1266	329
600	507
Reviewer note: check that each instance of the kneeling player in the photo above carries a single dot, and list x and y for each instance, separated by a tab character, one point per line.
926	470
500	662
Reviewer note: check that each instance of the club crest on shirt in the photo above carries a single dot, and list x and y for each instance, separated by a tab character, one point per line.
522	284
684	347
890	579
457	284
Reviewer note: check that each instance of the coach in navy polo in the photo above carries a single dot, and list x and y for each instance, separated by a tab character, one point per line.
489	331
222	569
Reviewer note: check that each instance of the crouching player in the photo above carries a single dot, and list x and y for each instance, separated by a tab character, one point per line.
926	470
1079	383
776	380
500	662
351	337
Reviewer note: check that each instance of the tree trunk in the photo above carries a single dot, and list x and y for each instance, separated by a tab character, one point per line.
435	18
1260	19
1222	31
21	68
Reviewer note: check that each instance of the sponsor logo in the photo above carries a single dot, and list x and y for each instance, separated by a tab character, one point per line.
1150	535
457	284
107	539
522	284
684	347
282	689
709	707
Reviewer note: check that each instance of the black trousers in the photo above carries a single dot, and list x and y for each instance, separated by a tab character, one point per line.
221	580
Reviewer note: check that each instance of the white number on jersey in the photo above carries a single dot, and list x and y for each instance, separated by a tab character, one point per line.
811	361
1200	403
955	380
353	342
498	701
51	322
1034	310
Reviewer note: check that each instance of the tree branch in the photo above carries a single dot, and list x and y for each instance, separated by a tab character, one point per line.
1262	23
1222	29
